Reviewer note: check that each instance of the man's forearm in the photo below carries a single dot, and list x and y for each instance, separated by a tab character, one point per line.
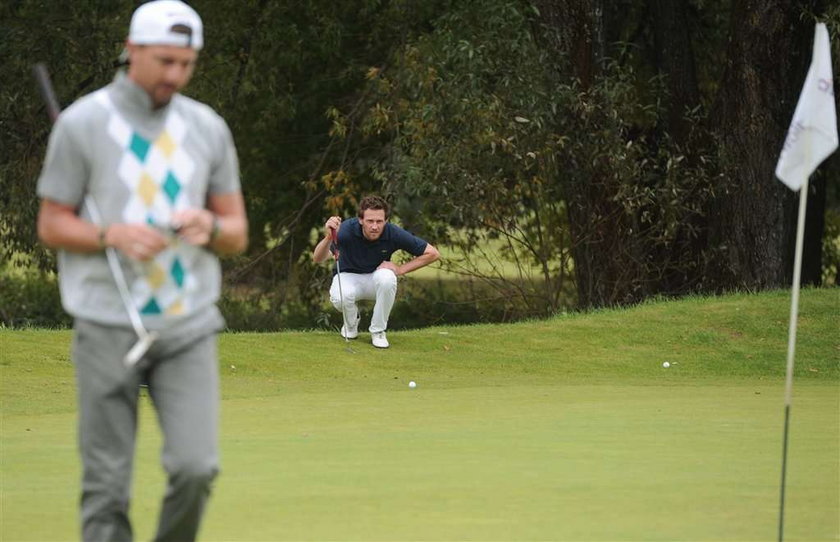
430	256
413	265
322	250
229	235
60	228
228	231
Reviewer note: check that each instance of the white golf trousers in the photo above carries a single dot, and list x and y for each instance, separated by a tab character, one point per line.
379	286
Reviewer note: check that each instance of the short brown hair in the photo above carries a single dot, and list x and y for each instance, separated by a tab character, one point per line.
373	202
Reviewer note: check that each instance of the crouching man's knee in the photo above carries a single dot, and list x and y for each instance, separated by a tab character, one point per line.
385	278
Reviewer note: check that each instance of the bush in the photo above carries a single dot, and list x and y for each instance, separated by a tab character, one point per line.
30	298
831	249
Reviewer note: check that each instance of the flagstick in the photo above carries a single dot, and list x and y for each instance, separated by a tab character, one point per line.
794	311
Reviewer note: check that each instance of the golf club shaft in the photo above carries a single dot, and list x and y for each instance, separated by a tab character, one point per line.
117	272
334	238
341	297
42	76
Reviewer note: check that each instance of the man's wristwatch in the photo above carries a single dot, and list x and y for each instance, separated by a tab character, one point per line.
103	232
216	228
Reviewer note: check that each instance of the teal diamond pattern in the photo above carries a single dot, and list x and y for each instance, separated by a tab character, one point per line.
178	273
171	186
139	146
151	307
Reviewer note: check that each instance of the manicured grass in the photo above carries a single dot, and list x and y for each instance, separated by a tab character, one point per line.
567	429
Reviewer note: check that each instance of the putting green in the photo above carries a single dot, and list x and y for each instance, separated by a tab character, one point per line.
561	429
491	460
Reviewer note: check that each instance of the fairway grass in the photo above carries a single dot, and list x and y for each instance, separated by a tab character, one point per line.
567	429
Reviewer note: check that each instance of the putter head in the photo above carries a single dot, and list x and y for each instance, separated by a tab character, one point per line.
347	347
139	349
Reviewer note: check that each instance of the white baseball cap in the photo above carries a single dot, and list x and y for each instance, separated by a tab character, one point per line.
166	22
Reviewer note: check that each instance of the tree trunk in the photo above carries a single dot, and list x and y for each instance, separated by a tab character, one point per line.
603	265
753	220
675	60
577	31
812	262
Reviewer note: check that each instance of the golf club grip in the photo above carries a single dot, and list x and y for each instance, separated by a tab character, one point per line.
334	243
42	77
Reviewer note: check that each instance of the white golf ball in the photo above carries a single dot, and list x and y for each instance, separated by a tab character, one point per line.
412	384
666	364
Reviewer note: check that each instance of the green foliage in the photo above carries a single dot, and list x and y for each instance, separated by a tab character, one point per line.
831	248
271	68
485	146
459	123
30	298
80	42
637	199
460	112
274	70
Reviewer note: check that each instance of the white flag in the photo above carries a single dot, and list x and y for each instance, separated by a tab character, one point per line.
812	135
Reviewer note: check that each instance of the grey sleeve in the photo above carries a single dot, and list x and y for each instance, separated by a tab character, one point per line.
65	172
224	172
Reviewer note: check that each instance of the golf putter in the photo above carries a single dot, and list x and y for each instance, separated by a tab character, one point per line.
144	338
335	253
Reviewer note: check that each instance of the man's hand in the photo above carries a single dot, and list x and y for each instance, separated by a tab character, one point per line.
429	255
60	227
137	241
390	265
194	226
332	223
322	249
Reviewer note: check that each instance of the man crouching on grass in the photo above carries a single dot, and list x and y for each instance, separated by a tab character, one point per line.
365	245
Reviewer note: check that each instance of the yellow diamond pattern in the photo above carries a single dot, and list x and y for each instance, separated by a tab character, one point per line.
156	172
176	308
147	188
165	144
156	276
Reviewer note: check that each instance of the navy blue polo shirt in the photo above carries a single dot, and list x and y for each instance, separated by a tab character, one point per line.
358	255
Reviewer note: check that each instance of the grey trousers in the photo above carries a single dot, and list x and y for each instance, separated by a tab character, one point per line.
183	380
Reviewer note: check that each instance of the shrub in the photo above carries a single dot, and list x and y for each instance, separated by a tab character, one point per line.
30	298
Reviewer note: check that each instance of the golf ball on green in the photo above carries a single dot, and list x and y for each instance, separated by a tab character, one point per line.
666	364
412	384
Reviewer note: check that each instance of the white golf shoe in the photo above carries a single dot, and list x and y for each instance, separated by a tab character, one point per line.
351	331
379	339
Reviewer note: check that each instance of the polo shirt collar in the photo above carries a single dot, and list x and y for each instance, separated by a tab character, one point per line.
128	95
